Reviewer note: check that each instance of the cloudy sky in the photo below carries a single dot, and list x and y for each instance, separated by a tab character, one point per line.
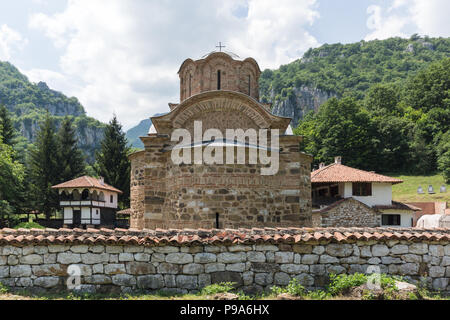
122	56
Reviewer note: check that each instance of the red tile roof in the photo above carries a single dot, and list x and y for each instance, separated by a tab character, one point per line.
125	211
337	172
86	182
398	205
216	236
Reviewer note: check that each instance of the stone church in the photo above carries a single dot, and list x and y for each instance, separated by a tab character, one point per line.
221	92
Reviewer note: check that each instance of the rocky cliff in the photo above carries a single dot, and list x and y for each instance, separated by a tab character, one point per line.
29	102
300	102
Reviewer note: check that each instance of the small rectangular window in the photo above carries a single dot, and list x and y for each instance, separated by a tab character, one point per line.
390	219
111	198
361	189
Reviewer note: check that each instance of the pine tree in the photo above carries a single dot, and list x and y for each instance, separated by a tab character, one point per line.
7	131
44	168
112	160
70	158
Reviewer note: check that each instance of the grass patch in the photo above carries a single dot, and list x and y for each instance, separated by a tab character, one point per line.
29	225
407	191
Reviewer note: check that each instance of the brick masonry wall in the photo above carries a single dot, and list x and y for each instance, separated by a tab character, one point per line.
164	195
182	269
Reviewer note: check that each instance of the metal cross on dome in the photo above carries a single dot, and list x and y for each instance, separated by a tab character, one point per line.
220	46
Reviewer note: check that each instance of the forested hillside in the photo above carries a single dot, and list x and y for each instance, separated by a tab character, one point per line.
29	102
339	69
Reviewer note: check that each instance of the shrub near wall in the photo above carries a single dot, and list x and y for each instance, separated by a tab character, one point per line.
182	261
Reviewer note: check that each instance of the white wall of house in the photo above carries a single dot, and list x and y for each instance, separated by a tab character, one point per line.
85	215
68	215
381	194
406	217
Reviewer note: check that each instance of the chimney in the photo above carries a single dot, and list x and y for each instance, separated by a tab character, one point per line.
338	159
102	180
321	165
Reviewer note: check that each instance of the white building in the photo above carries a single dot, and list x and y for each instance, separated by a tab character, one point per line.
88	202
336	182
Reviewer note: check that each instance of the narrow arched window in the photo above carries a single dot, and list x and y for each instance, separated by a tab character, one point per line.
217	220
218	79
190	84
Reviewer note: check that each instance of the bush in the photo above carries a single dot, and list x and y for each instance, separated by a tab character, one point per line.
29	225
3	289
222	287
341	283
294	288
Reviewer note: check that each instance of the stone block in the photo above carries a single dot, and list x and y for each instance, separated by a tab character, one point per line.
325	259
79	248
49	270
380	250
68	258
179	258
214	267
263	279
150	282
256	256
310	259
166	249
142	257
193	268
409	269
123	280
114	249
170	268
205	257
46	282
436	250
436	272
204	280
305	279
115	268
294	268
284	257
281	279
238	267
187	282
94	258
418	248
302	248
20	271
4	272
139	268
227	257
339	250
126	257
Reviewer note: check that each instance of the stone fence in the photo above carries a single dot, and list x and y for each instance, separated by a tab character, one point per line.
181	261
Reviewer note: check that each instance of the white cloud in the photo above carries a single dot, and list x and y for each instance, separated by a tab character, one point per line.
11	41
123	56
403	18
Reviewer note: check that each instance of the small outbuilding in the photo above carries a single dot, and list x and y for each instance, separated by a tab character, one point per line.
88	202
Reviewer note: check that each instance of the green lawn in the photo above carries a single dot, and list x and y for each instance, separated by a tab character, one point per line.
407	191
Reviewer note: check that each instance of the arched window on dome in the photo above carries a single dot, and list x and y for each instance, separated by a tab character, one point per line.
190	84
218	79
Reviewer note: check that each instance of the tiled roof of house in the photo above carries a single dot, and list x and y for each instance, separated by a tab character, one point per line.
86	182
216	236
398	205
125	211
337	172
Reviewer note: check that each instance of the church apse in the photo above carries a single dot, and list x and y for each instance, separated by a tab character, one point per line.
225	194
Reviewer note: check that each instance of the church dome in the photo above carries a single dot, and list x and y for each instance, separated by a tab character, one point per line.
219	71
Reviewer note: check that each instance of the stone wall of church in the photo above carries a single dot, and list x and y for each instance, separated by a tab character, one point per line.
164	195
254	268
